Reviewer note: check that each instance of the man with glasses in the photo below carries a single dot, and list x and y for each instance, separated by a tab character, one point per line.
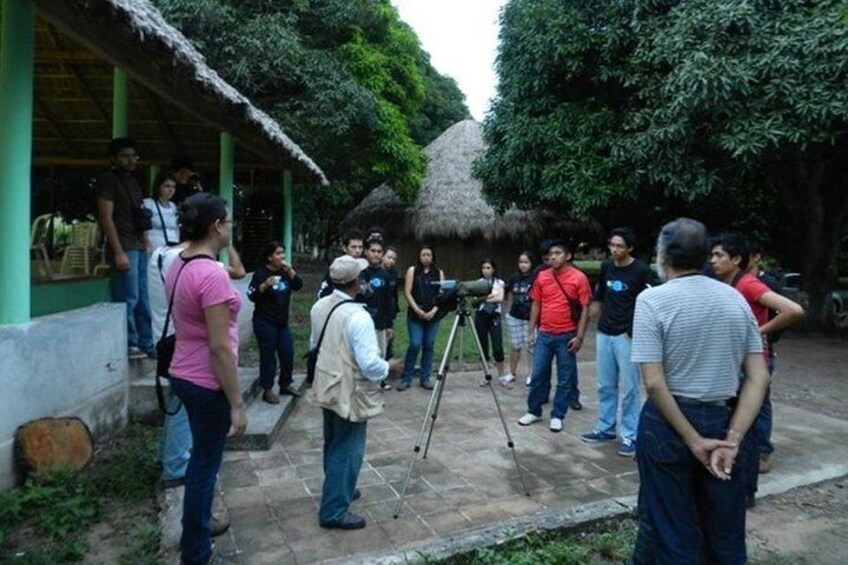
124	220
621	280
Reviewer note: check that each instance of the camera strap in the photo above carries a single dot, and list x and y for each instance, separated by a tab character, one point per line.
162	220
326	323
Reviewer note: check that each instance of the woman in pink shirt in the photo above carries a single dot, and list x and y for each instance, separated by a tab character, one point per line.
203	370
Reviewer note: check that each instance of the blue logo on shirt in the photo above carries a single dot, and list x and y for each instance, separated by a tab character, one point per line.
377	283
282	286
617	286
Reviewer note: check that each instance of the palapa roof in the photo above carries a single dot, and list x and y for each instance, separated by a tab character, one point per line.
77	44
450	202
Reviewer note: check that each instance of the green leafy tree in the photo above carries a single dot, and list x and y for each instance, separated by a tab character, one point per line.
657	103
346	79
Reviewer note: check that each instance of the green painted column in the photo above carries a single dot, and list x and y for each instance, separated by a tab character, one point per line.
225	177
287	215
120	107
17	64
152	172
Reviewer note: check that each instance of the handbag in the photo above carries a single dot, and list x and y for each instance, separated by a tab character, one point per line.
168	343
575	308
312	355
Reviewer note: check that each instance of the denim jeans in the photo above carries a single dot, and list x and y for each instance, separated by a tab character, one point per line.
616	371
547	347
488	326
275	342
175	446
685	514
763	424
422	335
209	419
130	287
344	448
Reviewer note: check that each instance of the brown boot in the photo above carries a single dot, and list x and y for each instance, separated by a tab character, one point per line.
269	396
766	462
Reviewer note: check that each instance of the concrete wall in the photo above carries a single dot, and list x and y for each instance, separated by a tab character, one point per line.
245	317
68	364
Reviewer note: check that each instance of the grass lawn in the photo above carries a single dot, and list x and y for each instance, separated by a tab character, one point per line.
303	300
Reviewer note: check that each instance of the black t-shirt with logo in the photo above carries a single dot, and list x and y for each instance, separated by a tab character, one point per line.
519	287
617	289
377	293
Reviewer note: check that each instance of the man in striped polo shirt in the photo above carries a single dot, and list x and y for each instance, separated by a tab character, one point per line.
691	335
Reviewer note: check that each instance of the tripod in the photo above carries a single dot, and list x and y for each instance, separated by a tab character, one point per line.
460	320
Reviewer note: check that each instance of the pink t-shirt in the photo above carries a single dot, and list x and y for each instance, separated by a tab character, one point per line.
203	283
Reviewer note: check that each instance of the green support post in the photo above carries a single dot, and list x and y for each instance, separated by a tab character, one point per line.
152	172
17	64
120	107
287	215
225	178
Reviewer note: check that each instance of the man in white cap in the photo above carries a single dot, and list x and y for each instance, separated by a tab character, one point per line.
348	372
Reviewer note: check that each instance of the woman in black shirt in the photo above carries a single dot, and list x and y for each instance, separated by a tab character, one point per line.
518	312
421	288
270	290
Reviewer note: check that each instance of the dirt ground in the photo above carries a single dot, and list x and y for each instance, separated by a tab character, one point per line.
806	524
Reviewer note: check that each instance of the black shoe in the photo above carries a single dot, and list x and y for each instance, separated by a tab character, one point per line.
173	483
384	385
402	386
750	501
350	521
218	527
427	385
576	405
289	391
357	495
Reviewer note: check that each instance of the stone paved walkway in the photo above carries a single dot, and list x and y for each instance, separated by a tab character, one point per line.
467	483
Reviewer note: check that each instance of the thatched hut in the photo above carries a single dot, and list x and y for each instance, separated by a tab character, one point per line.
450	212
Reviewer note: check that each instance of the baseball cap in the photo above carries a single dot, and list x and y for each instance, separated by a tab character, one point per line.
345	268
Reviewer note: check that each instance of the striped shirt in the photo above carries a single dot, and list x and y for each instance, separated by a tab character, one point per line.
700	329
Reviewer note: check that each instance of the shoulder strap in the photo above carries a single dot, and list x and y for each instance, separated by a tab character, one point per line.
327	321
559	284
162	220
174	290
737	278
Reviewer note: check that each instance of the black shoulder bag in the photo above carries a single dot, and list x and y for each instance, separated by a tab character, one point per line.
142	217
162	219
576	309
312	354
167	343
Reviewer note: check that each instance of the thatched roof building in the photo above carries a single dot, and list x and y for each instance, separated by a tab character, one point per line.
133	35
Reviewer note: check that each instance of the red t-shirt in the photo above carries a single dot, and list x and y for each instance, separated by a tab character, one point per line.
556	312
752	289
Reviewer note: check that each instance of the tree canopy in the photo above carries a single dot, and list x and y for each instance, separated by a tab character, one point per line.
347	80
734	111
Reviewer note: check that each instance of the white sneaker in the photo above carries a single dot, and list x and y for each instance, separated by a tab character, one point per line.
507	378
527	380
528	419
556	424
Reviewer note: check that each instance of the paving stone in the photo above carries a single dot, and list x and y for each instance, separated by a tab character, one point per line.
244	497
235	474
448	521
274	475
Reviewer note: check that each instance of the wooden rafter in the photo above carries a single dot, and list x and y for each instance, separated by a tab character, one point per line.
179	147
51	119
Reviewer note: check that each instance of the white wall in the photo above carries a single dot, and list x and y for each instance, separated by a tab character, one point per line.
68	364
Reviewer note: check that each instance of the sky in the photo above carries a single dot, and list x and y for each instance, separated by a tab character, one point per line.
461	37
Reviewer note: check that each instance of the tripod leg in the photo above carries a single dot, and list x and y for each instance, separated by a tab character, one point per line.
430	414
509	442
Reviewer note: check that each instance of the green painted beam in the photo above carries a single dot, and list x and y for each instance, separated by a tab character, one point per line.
226	176
120	106
152	172
287	215
17	64
61	296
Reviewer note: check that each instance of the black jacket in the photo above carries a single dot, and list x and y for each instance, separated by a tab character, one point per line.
377	292
273	304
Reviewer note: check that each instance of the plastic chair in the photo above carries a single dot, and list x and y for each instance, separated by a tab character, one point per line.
38	243
80	250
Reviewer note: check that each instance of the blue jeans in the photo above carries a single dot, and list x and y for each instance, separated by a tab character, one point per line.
763	424
685	514
130	287
275	342
547	347
344	448
175	445
422	335
616	370
209	419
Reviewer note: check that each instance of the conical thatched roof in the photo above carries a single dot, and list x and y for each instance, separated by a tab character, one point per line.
450	203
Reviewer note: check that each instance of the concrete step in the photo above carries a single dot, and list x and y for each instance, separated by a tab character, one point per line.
265	421
144	406
141	368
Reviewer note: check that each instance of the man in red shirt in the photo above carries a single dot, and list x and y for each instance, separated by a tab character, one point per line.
729	257
558	294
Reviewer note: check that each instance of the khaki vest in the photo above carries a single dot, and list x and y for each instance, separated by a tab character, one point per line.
339	385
